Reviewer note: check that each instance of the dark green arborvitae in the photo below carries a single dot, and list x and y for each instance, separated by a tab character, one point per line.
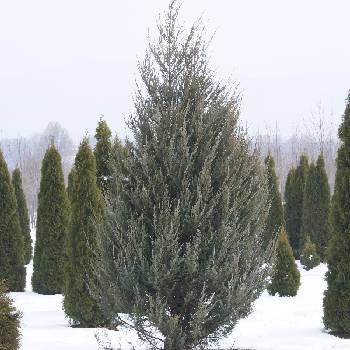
285	279
51	227
23	215
275	219
316	205
102	154
294	196
336	303
86	210
290	213
9	321
12	268
308	256
182	243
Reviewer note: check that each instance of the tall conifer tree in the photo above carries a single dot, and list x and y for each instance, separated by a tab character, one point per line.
336	303
12	268
316	208
290	214
51	228
86	210
275	218
102	154
294	197
23	215
181	247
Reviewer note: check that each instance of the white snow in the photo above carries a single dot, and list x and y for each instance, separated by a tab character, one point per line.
44	325
275	324
288	323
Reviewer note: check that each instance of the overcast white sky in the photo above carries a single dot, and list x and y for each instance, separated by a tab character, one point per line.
72	60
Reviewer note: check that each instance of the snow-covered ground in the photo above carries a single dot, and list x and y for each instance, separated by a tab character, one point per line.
275	324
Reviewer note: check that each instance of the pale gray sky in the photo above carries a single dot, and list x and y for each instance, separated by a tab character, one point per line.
71	60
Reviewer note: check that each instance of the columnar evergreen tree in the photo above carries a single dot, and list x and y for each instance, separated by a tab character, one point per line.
51	228
102	154
181	247
12	268
9	321
336	303
86	210
290	213
308	256
309	205
285	279
316	205
23	215
294	196
275	218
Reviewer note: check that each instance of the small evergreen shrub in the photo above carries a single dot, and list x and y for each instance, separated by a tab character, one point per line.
285	279
309	257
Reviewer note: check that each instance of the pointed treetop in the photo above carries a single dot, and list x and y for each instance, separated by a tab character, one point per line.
269	161
344	129
102	130
304	159
320	161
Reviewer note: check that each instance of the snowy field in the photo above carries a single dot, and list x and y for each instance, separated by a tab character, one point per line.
275	324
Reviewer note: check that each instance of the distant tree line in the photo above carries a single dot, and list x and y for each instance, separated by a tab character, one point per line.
26	154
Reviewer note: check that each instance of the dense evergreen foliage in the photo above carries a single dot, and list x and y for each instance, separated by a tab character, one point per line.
102	154
71	182
316	205
308	256
290	214
275	218
86	210
9	322
294	197
336	301
285	279
23	215
51	228
12	268
118	155
181	247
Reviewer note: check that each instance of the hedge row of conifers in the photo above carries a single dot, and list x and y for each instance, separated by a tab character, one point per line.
318	229
64	254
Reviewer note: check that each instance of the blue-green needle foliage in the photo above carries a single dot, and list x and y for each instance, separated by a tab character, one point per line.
182	244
